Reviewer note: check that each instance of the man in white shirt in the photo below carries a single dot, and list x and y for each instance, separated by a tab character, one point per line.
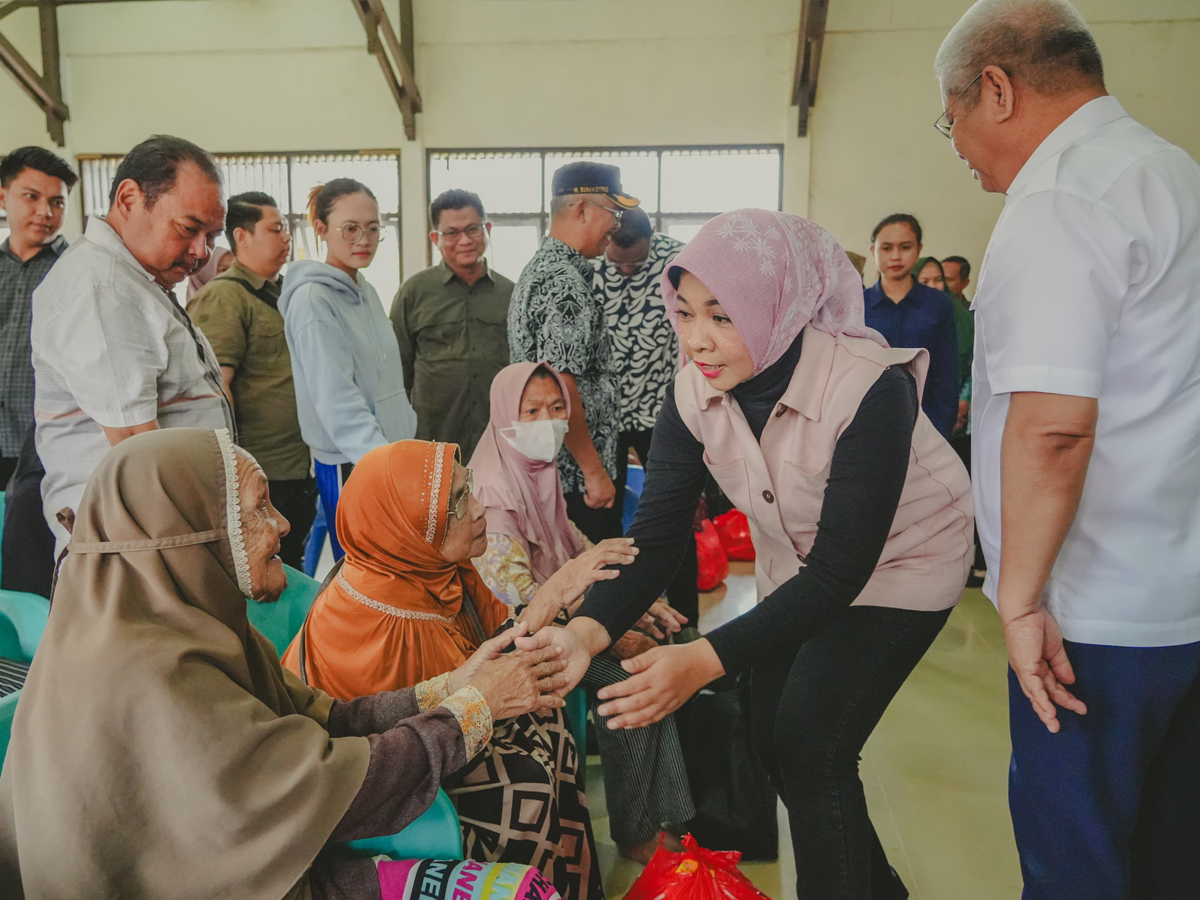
1086	428
113	354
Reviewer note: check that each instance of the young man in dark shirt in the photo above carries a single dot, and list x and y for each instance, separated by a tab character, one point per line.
34	184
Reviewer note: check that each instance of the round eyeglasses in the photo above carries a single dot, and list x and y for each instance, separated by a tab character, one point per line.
352	233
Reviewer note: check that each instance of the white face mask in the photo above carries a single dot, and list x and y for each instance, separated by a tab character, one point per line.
540	439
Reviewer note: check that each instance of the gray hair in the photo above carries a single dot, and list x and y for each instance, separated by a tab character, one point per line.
1045	45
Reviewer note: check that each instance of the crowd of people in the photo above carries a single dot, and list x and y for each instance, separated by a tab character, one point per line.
469	453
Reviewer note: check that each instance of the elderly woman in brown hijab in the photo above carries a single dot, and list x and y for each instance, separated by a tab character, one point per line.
159	749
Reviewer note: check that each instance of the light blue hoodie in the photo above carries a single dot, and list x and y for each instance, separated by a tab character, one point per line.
346	363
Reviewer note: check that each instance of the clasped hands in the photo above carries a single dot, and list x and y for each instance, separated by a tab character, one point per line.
662	679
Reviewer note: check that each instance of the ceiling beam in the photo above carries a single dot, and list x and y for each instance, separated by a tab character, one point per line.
813	15
403	86
46	89
11	6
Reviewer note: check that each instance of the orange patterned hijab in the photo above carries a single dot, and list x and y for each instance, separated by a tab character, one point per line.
395	615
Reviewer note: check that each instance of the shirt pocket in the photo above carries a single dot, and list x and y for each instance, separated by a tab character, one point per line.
733	480
803	488
489	334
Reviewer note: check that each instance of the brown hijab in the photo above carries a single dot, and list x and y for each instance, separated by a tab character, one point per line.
159	749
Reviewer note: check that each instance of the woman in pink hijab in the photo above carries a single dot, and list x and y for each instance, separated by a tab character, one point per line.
218	261
530	539
860	513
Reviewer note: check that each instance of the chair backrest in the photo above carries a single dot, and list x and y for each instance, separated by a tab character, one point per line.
22	621
8	709
280	621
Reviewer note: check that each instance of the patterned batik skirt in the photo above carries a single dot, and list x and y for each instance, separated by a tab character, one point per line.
520	801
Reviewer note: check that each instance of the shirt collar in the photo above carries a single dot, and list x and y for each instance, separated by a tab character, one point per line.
874	295
1088	118
57	246
252	278
102	234
448	273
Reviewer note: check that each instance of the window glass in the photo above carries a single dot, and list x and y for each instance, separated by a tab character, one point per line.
718	181
505	183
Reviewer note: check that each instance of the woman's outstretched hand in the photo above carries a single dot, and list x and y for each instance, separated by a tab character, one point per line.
522	681
661	681
567	585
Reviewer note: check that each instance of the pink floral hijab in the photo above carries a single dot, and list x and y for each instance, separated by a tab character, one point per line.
773	273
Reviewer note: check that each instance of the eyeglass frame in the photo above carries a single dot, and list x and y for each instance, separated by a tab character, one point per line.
946	130
379	235
457	235
459	509
616	211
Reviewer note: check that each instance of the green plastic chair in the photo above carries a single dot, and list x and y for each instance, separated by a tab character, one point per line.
281	621
22	621
8	709
576	712
437	833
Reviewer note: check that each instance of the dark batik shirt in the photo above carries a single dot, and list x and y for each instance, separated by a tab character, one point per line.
645	346
555	316
17	280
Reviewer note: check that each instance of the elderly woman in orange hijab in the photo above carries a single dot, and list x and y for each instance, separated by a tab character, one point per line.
407	607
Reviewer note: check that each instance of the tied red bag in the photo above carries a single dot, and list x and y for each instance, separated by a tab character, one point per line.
694	874
712	566
734	530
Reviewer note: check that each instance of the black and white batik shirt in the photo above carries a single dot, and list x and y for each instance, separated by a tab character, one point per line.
645	347
556	316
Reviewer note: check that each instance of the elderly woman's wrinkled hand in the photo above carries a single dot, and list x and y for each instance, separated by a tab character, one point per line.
631	644
661	620
589	567
489	650
522	681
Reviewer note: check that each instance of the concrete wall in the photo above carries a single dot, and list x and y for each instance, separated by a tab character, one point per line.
248	75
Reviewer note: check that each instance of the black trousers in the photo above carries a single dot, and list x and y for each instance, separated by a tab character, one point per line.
27	547
962	446
297	500
811	714
682	591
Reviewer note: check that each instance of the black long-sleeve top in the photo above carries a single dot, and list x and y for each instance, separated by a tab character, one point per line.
866	479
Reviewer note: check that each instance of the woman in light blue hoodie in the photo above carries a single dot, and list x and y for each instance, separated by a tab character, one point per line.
349	382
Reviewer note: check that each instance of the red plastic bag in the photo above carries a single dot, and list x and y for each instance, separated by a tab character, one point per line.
694	874
734	529
712	564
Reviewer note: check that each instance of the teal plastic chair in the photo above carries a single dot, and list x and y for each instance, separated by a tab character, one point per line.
8	709
280	621
22	621
576	712
437	833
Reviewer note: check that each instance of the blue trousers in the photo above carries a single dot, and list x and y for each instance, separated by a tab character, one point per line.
329	485
1109	808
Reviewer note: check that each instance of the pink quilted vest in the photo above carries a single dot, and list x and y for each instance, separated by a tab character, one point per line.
780	483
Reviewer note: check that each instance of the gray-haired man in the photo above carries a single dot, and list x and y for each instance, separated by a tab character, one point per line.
1084	423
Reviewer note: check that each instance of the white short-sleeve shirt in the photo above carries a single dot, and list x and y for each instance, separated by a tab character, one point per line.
111	348
1091	288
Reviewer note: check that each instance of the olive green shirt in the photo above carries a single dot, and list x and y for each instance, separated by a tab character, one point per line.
453	340
236	311
964	321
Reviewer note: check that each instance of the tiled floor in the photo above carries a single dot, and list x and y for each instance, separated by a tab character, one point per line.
935	771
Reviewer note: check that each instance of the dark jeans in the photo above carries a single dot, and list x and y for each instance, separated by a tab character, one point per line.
682	591
810	717
297	500
27	547
1109	808
598	524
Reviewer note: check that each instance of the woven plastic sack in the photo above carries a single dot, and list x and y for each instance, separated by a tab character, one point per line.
734	529
712	563
694	874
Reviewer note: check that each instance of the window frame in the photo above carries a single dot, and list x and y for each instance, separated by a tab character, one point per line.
660	219
295	219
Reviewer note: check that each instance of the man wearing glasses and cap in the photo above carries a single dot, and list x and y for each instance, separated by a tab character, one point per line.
555	316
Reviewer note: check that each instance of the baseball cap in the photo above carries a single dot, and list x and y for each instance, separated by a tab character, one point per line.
592	178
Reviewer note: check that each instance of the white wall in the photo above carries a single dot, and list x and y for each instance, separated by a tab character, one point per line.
247	75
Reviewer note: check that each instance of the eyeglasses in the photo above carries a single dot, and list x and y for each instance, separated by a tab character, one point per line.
617	213
352	232
460	507
453	234
943	123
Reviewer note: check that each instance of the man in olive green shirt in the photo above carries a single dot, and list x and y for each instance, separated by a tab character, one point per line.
237	313
451	322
